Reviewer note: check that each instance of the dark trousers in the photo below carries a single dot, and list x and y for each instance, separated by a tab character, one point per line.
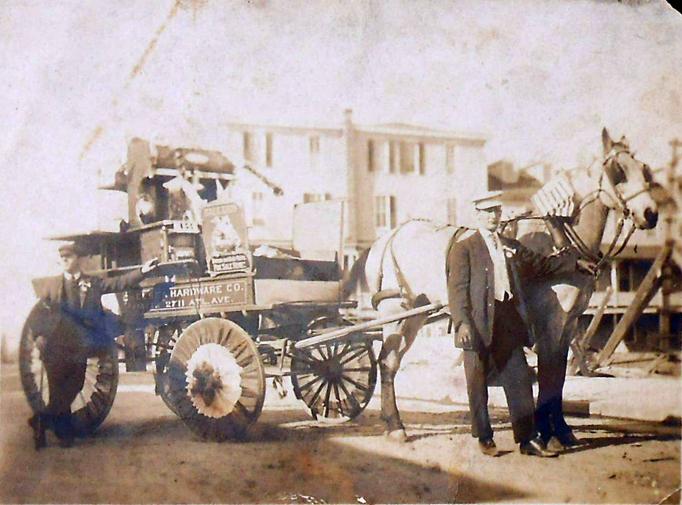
65	363
506	361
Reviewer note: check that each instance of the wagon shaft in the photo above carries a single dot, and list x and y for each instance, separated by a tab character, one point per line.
339	334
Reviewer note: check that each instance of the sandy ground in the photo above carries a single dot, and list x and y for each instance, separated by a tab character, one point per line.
144	454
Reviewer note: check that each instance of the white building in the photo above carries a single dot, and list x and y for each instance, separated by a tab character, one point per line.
385	174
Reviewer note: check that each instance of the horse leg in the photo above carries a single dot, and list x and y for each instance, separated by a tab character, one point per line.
389	362
560	427
549	417
398	338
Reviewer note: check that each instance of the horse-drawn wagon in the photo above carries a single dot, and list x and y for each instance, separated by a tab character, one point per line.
217	319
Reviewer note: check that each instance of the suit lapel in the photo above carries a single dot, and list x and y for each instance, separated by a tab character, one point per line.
57	289
481	251
511	262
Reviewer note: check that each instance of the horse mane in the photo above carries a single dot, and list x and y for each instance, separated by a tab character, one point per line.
356	276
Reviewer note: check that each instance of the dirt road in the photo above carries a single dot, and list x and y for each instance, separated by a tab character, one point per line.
143	454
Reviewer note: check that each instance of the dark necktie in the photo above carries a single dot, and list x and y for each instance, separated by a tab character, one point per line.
72	293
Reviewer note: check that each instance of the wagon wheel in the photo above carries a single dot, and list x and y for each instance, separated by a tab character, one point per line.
335	380
216	379
93	403
164	340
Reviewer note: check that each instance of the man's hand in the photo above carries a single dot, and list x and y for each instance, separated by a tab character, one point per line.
586	266
150	265
463	337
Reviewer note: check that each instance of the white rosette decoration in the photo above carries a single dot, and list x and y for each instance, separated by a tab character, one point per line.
213	380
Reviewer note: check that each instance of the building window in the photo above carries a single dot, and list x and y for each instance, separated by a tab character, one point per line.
385	212
421	158
268	149
247	141
452	210
406	158
371	159
257	218
314	144
316	197
450	159
393	156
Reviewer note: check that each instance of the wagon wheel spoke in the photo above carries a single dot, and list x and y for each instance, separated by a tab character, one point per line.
338	397
313	400
353	356
309	384
355	383
327	397
351	398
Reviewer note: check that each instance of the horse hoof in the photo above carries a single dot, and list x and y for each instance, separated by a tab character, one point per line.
398	436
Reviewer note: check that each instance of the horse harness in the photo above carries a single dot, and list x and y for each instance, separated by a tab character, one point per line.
620	202
404	291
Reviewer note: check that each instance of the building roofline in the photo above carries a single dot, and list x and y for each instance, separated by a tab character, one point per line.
398	130
279	128
423	132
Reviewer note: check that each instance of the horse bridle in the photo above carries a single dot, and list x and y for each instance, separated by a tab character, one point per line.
621	204
621	200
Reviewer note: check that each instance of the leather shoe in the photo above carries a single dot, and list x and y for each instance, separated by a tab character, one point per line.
555	445
535	447
488	447
568	439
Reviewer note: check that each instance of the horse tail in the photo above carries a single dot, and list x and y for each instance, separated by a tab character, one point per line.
356	276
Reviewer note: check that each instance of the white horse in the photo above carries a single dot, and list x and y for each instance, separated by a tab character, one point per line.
406	268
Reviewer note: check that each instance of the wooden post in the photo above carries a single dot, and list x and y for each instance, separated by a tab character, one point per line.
669	236
582	344
643	295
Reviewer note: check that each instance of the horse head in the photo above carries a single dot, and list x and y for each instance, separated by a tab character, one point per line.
629	182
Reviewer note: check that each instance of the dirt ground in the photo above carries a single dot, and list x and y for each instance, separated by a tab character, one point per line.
144	454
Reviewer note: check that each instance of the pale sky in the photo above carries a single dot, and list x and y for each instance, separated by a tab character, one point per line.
79	79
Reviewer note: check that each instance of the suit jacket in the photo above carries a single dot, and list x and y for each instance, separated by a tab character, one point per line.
471	280
90	321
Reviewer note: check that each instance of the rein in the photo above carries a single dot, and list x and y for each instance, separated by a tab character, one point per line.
620	201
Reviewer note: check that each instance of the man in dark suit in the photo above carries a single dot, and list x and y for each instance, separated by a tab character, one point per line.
488	310
83	327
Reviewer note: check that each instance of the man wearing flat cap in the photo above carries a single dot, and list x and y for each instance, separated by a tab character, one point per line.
83	327
488	310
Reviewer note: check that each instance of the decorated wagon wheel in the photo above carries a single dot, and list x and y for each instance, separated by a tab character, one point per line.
94	401
165	338
216	380
335	380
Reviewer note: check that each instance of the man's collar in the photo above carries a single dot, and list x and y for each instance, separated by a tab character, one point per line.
72	277
487	233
